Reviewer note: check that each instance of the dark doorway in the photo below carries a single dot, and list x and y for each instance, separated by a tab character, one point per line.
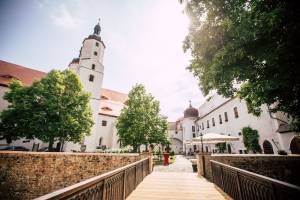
228	148
295	145
268	149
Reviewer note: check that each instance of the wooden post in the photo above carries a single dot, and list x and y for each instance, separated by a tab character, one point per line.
239	185
124	184
222	181
135	177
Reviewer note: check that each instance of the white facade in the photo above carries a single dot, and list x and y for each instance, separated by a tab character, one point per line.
90	71
228	117
175	136
188	130
3	104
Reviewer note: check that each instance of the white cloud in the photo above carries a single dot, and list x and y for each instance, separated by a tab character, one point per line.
64	18
155	58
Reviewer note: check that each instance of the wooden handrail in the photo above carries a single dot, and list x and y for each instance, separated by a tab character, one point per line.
77	188
245	185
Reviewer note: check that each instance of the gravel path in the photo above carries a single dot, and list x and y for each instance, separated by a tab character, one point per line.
181	164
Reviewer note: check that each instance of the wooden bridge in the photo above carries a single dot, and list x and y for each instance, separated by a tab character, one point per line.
135	182
175	186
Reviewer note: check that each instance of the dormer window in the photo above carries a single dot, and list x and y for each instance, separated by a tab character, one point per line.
91	78
95	53
104	97
106	108
93	66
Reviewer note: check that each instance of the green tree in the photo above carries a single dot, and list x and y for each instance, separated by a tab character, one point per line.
53	109
254	43
140	122
221	147
250	138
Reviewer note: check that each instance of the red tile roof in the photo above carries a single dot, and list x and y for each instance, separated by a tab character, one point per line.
8	71
107	94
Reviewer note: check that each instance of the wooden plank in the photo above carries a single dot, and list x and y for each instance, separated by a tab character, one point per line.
175	185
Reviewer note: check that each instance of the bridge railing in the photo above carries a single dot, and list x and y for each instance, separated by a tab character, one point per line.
244	185
116	184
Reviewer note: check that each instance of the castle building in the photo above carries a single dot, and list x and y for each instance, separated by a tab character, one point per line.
106	104
227	116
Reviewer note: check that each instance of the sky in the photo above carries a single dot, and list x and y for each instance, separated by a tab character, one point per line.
143	41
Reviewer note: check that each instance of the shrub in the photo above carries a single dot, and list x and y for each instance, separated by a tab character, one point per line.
282	152
250	138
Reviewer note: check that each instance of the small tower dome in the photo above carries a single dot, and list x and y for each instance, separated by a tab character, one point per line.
190	112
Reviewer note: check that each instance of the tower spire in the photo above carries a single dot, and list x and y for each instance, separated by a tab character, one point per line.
97	28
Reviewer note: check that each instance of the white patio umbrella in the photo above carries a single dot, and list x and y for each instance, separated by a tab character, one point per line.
214	138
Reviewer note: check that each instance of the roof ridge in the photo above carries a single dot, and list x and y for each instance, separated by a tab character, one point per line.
20	66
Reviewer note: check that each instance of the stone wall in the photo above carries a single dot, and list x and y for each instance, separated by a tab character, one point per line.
26	175
284	168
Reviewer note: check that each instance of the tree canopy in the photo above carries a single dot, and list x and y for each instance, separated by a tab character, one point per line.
253	43
140	122
53	109
250	139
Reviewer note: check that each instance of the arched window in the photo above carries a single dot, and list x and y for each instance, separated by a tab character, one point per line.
295	145
226	117
236	114
267	146
91	78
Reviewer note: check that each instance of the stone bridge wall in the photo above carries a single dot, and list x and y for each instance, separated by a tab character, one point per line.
26	175
284	168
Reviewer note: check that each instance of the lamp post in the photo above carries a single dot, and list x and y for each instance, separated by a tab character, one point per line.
201	139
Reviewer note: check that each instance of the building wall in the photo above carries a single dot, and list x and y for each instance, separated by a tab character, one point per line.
108	132
84	71
264	124
187	133
176	141
3	103
26	175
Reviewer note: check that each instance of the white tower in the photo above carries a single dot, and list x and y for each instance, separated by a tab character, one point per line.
90	69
